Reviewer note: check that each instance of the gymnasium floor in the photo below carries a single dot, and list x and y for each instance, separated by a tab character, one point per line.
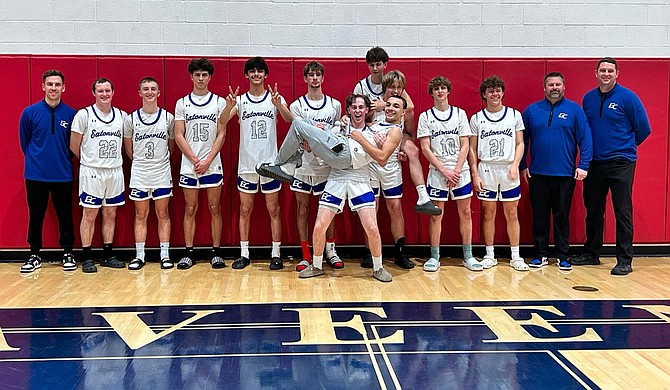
261	329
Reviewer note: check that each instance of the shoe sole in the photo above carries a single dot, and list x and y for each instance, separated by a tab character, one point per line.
428	211
263	171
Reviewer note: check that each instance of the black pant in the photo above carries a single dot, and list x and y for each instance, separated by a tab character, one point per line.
615	176
551	195
38	199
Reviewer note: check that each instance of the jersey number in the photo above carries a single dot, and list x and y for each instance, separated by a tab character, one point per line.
149	154
201	132
259	129
108	149
497	147
448	147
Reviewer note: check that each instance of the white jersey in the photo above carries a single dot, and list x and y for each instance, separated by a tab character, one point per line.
326	111
368	88
384	128
496	134
445	129
200	115
102	137
151	156
258	131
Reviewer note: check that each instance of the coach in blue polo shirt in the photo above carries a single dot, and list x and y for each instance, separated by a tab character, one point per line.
44	130
619	124
555	128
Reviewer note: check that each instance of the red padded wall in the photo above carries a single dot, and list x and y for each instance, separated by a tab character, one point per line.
13	208
650	79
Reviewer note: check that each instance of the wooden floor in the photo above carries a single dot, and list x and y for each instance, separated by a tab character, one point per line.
52	287
632	353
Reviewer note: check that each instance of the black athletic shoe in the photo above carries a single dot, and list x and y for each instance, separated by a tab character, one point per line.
404	262
241	262
367	261
276	263
274	171
621	269
428	208
584	259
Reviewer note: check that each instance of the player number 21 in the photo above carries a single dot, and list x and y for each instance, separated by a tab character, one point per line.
497	147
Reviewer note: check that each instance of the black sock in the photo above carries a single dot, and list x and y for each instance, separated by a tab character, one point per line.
107	250
216	251
400	246
86	253
190	252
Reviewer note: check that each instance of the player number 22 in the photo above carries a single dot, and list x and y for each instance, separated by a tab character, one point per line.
108	149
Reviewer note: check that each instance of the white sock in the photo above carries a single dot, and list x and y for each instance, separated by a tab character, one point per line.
423	194
275	249
317	261
244	249
515	252
376	262
139	248
489	252
165	247
330	248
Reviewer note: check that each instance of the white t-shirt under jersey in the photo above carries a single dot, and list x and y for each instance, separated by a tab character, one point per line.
445	129
496	134
258	131
102	137
200	115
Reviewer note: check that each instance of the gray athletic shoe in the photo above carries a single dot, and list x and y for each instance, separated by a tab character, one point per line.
310	272
274	171
382	275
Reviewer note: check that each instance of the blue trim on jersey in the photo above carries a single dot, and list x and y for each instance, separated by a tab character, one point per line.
138	194
451	112
160	110
367	82
90	199
246	185
162	192
298	184
375	191
511	193
437	193
319	187
491	120
188	181
465	190
367	197
325	99
395	191
211	95
269	186
100	119
487	194
116	200
210	179
330	199
255	101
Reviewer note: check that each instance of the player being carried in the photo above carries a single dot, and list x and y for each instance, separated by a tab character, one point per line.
348	154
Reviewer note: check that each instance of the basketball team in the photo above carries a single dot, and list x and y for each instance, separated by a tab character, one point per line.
351	156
